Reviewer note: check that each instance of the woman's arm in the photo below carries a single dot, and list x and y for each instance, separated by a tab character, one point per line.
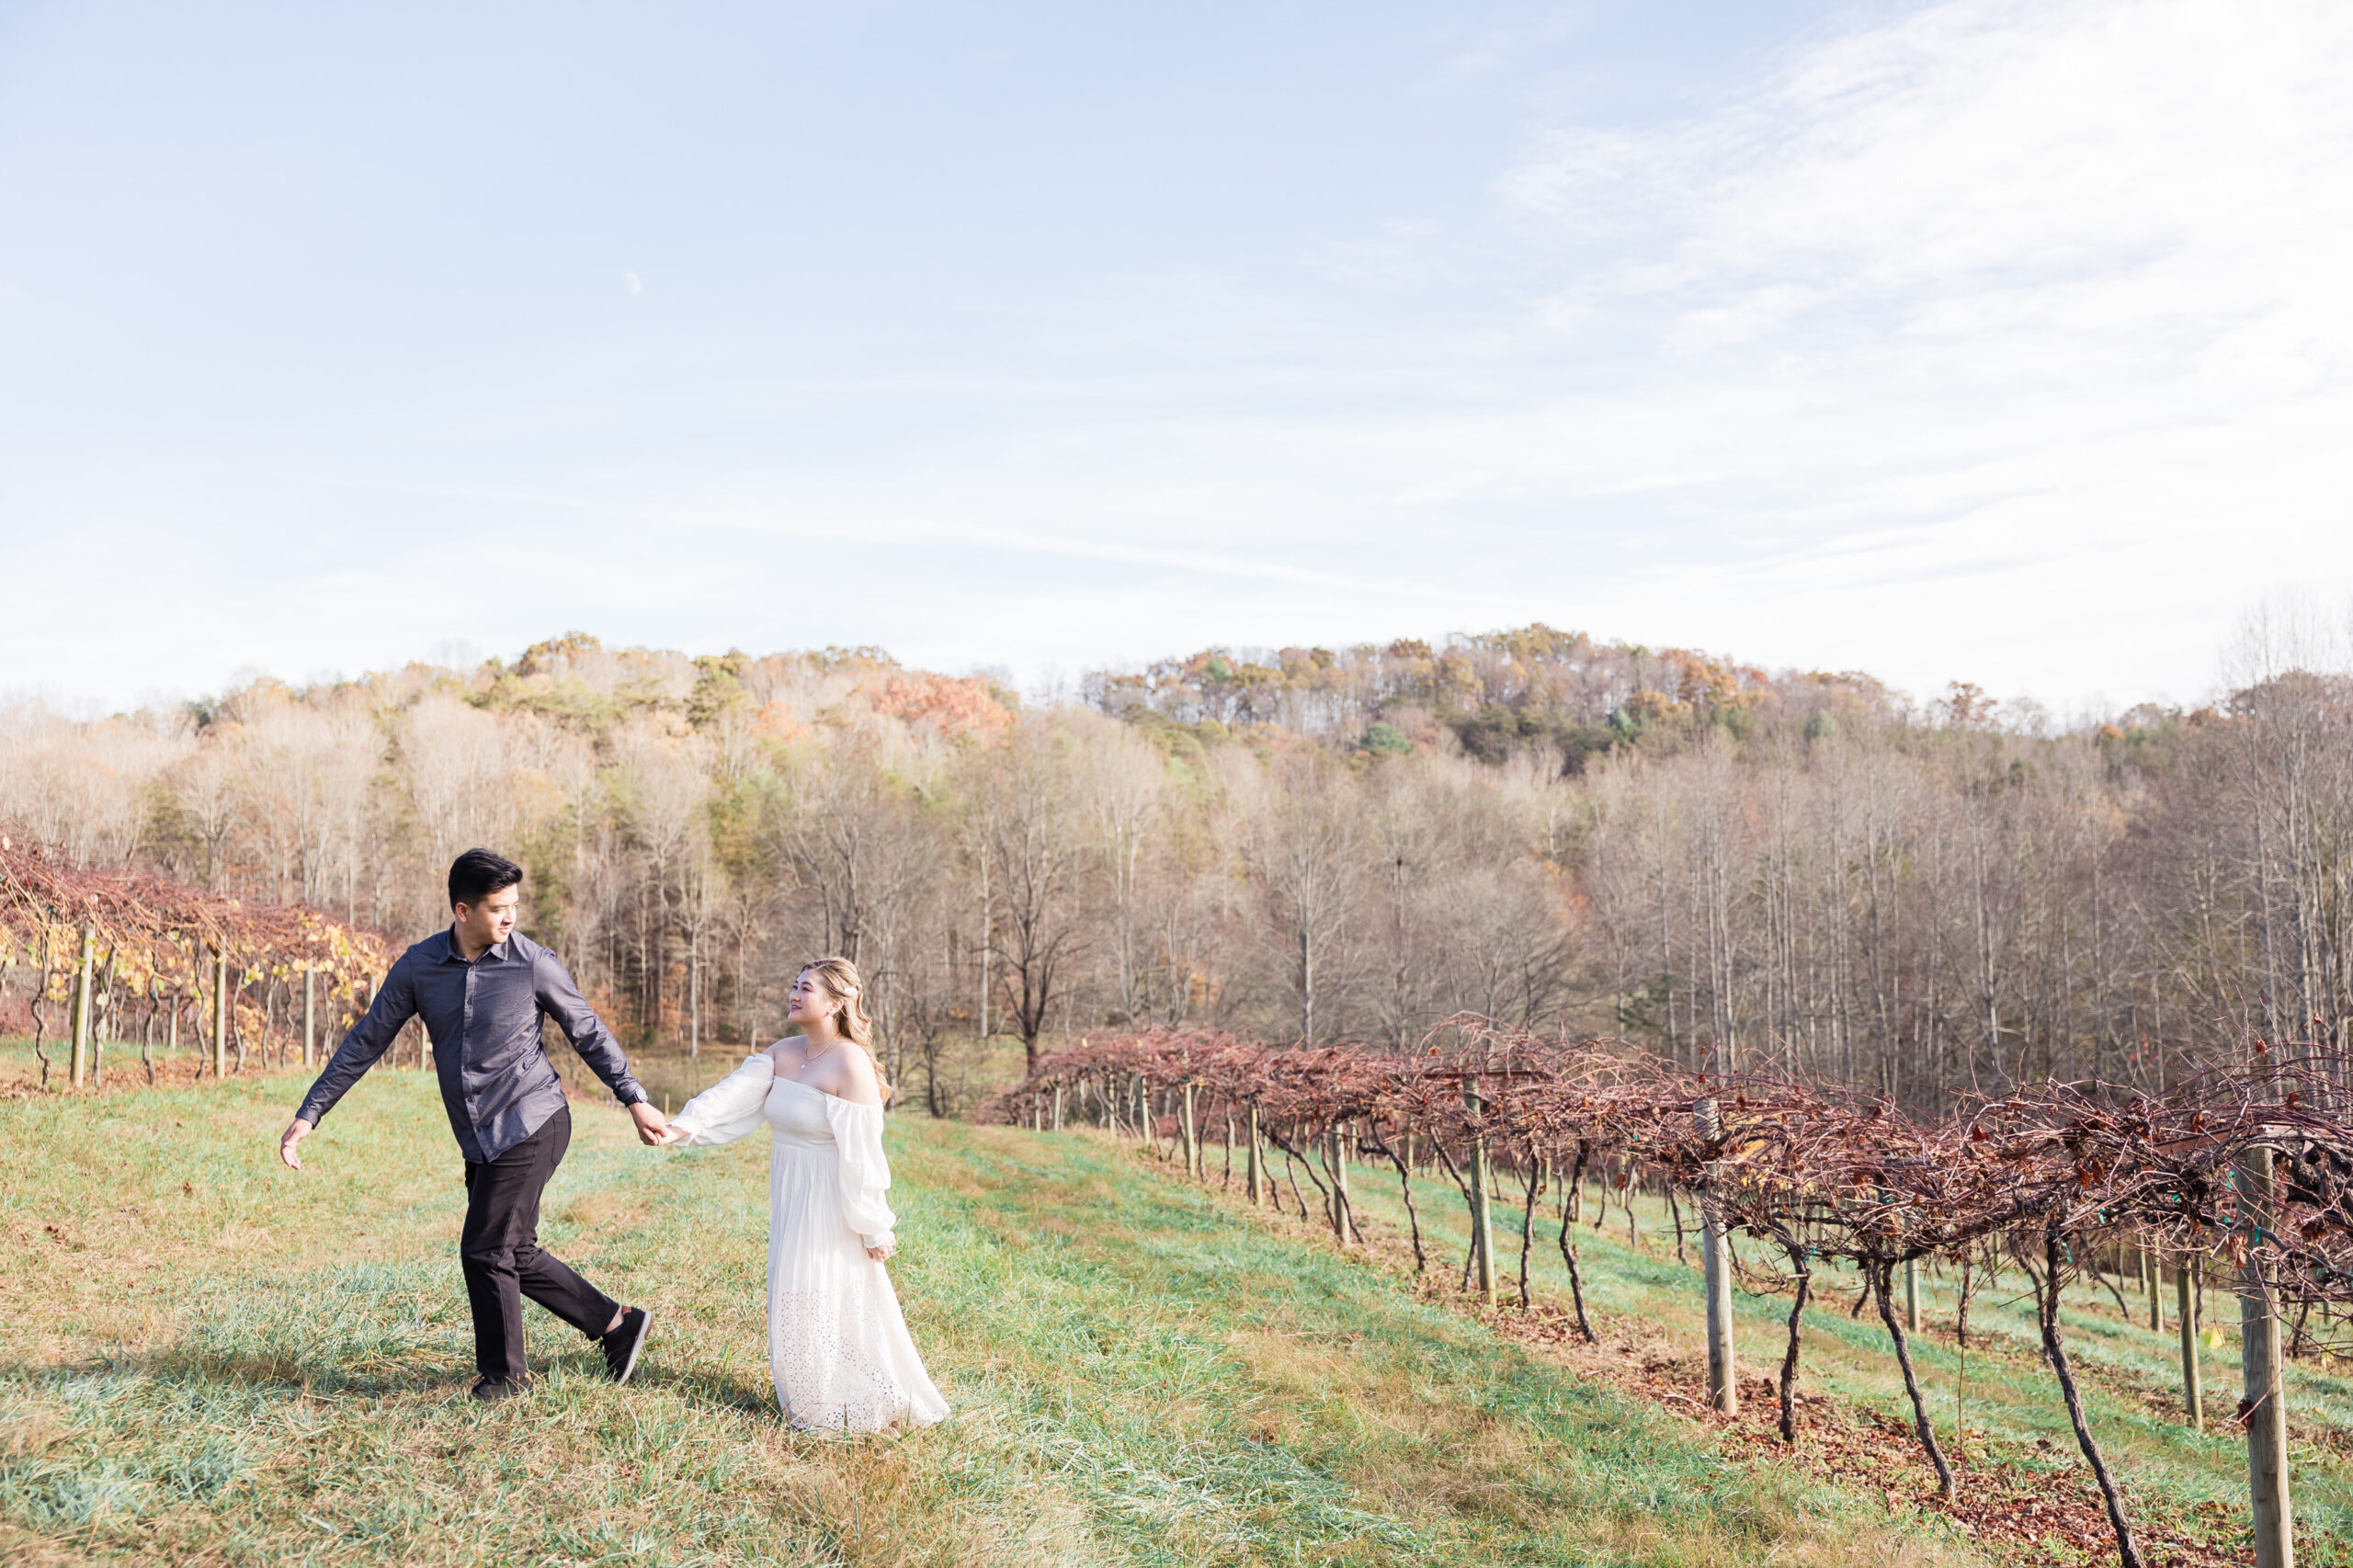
728	1109
865	1173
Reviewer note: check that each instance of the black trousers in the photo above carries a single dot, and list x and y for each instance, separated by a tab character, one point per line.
500	1257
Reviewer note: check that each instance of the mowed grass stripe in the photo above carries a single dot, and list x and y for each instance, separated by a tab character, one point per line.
208	1359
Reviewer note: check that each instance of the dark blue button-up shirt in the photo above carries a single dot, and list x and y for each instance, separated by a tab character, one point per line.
496	1081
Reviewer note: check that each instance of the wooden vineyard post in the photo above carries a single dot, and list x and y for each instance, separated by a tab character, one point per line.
1143	1112
310	1015
1343	1219
2152	1276
1184	1125
1483	1227
1724	1385
2266	1422
1252	1165
220	1012
1058	1105
2184	1311
1911	1295
82	1005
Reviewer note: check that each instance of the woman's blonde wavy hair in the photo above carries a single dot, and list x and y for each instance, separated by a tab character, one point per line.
847	987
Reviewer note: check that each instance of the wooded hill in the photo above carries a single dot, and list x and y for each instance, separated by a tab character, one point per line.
1793	868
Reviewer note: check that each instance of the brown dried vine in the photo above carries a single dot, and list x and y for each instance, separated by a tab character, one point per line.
159	936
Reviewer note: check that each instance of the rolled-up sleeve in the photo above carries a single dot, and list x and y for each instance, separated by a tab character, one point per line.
561	1000
395	1004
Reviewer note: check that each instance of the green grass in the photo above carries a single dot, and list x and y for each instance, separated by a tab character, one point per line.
209	1360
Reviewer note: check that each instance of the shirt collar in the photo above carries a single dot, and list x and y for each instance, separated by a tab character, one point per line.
452	954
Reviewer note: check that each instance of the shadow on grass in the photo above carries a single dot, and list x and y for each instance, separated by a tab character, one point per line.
195	1366
262	1370
711	1388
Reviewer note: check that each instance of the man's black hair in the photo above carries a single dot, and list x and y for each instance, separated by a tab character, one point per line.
477	873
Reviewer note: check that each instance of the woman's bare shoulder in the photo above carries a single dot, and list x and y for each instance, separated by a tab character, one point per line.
861	1083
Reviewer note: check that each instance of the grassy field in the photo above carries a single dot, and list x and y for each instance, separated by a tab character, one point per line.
207	1358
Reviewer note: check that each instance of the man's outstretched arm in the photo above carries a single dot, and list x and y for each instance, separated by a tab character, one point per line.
560	999
395	1004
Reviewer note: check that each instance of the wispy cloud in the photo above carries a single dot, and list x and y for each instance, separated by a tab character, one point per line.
2055	285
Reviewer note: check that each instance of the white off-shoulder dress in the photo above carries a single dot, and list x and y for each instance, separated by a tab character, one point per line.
837	1342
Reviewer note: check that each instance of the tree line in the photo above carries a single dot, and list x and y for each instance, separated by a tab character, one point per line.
1797	869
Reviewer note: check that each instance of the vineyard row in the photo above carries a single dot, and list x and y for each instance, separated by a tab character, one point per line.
104	950
2247	1167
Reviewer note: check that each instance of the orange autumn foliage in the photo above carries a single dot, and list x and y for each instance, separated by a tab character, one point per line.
958	706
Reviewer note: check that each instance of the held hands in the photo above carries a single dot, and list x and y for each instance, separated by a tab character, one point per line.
651	1131
294	1134
650	1128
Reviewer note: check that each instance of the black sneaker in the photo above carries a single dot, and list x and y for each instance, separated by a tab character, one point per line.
622	1345
490	1390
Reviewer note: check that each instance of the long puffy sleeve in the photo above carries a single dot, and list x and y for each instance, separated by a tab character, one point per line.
731	1107
865	1173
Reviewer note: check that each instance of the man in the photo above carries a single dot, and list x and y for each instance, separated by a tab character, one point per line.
482	987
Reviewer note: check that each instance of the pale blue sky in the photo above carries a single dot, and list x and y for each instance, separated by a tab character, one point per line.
1985	340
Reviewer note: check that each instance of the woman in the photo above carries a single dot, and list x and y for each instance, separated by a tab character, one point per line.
838	1345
